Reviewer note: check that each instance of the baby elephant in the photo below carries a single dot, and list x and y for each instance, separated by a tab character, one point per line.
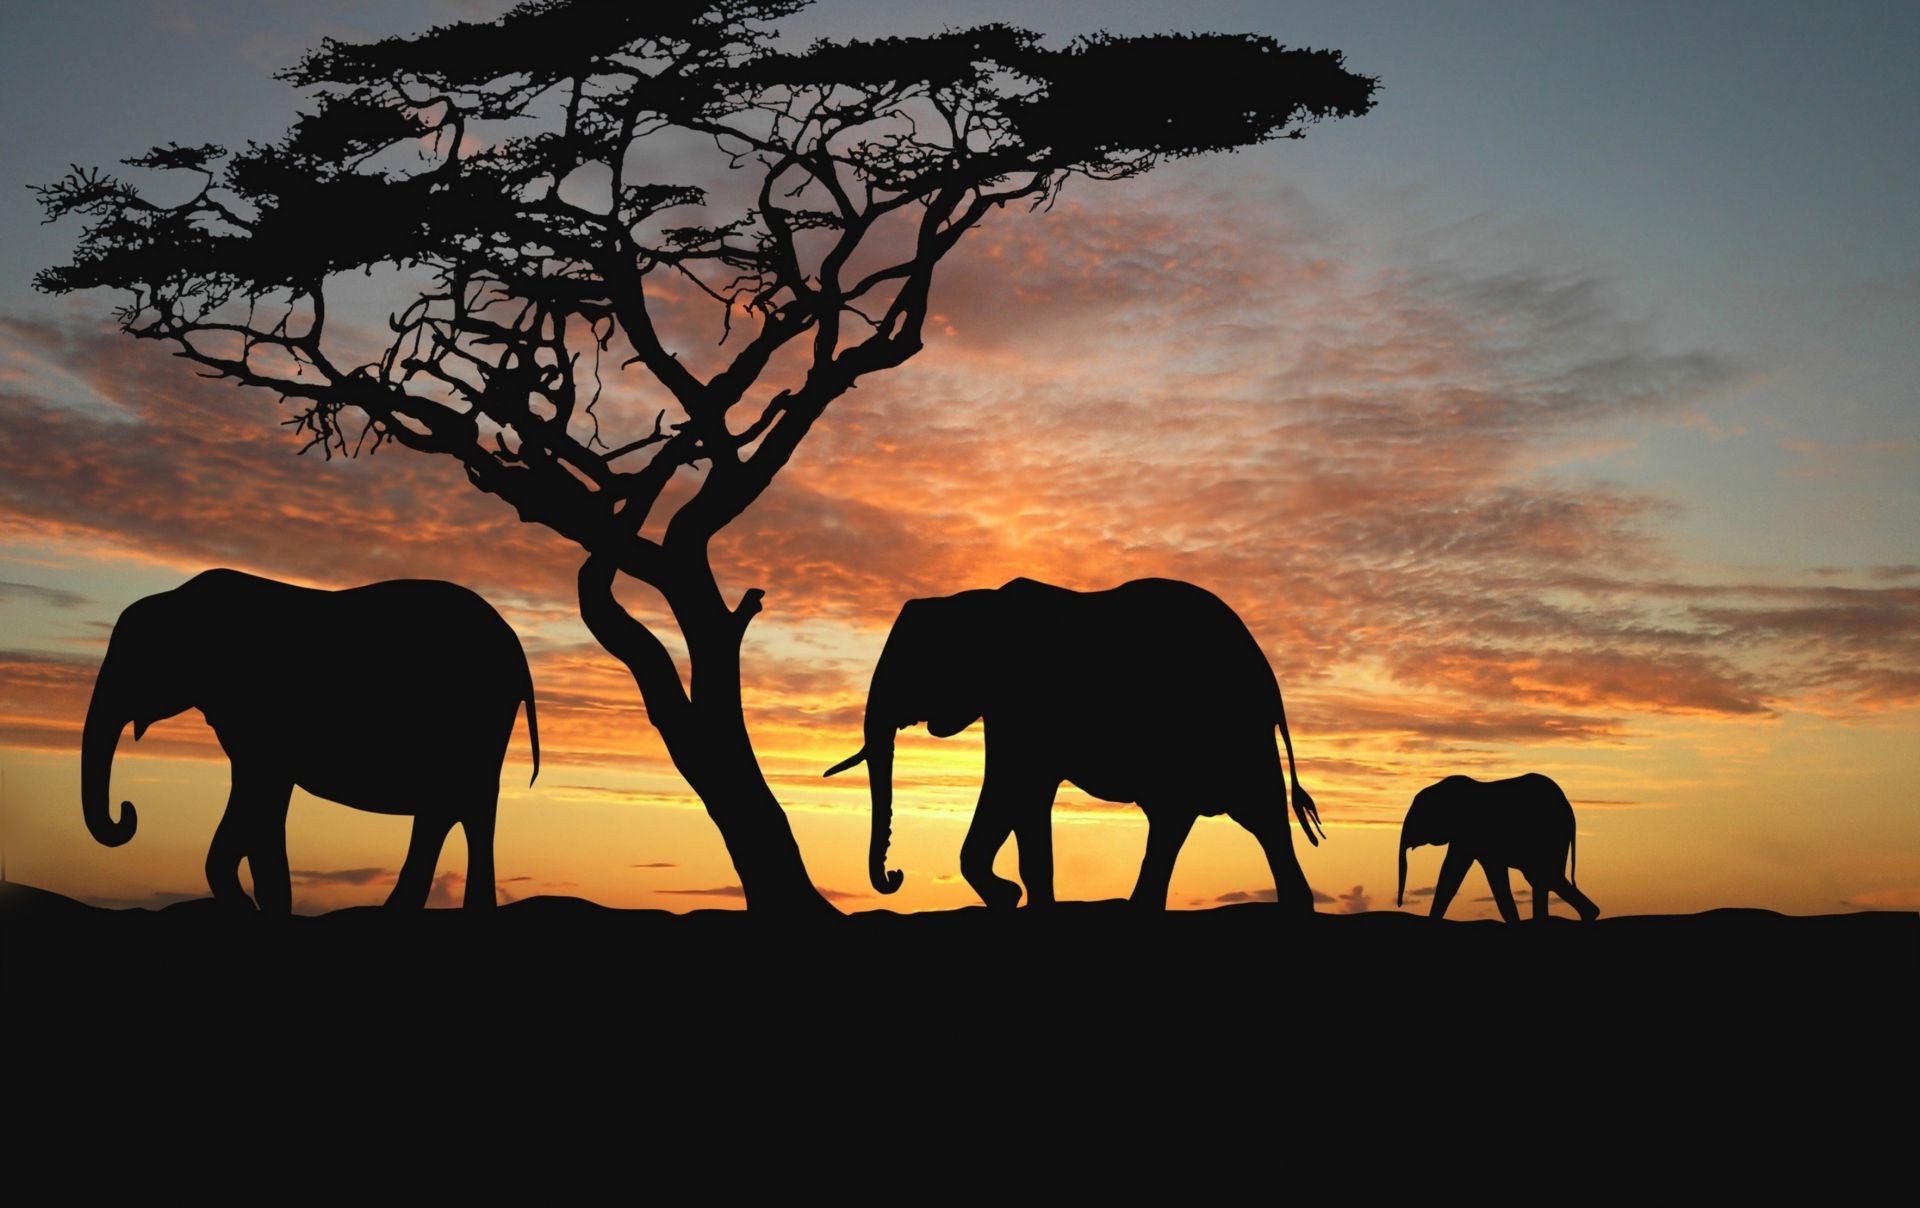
1524	823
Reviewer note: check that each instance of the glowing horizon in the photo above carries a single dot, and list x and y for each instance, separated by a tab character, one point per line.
1488	506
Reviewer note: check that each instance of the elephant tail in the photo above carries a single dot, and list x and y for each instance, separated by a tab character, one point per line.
1308	813
533	726
1303	806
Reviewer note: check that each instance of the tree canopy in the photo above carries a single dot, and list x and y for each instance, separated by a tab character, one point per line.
497	161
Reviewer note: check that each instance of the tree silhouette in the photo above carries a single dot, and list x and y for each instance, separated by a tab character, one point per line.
502	174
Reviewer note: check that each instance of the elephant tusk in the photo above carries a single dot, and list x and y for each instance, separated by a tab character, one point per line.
857	757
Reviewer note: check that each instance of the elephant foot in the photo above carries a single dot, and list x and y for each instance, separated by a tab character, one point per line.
998	893
406	898
1295	903
234	901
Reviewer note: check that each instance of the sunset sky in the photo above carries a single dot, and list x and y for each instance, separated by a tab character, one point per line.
1560	415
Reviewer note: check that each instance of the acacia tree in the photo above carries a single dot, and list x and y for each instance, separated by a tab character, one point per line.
492	168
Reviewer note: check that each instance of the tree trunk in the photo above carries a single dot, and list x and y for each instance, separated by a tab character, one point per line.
717	760
706	731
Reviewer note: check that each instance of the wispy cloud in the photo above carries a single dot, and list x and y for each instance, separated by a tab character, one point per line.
1252	895
11	593
342	876
844	895
1887	899
1359	459
157	900
1268	895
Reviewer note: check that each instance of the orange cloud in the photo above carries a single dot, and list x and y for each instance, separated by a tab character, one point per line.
1350	456
1887	899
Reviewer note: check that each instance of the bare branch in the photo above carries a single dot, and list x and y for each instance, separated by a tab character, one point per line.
655	437
632	643
516	271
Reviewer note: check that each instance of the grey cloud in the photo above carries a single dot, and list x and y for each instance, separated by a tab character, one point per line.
343	876
158	900
447	892
54	596
1267	895
1251	895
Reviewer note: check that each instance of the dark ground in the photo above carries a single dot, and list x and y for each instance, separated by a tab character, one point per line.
1315	1038
1094	1055
1101	958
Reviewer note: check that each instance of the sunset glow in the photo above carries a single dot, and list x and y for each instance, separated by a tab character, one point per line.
1497	489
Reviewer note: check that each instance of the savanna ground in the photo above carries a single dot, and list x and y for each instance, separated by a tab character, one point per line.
1623	975
1632	1052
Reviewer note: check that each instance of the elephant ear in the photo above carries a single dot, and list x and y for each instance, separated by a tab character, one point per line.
984	636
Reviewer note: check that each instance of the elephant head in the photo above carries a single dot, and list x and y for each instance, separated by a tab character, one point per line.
931	670
1430	821
151	672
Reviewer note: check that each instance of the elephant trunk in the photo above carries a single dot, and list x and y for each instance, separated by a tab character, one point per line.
880	780
1400	895
887	710
106	718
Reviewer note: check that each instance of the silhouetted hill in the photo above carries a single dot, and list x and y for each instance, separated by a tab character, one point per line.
54	943
23	903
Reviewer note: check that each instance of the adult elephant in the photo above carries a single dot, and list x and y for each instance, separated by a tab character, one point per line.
1525	822
397	697
1152	692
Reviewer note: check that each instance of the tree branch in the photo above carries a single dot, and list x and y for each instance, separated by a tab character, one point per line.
645	656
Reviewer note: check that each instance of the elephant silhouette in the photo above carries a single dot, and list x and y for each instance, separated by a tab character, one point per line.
1525	823
1152	692
397	697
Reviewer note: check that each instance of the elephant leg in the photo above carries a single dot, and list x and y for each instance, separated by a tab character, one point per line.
1275	834
229	847
478	826
1571	894
985	837
1011	794
1538	887
1034	830
266	819
1167	830
423	856
1499	880
1453	870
